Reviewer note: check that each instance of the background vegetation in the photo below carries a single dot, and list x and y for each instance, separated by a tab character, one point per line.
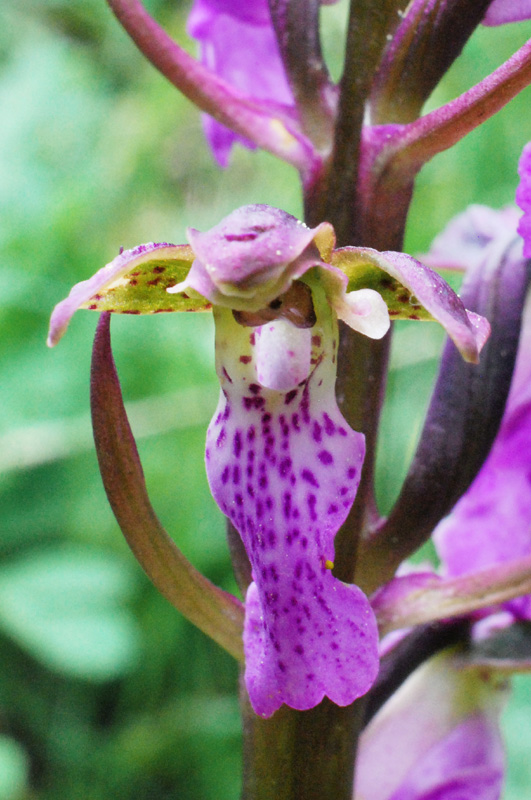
105	691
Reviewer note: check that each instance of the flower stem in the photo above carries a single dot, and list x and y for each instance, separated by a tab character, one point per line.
369	23
301	754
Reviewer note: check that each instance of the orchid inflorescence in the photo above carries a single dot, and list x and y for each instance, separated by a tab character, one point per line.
297	306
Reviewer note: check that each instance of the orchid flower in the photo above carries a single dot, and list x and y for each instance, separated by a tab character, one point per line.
238	43
523	198
282	463
503	11
436	738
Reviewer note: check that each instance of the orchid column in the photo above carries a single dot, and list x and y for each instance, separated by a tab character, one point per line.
279	447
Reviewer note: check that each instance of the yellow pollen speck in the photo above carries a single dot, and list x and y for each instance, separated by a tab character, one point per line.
329	564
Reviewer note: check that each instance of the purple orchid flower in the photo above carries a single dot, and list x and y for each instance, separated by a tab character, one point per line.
523	198
491	523
282	462
437	738
503	11
238	43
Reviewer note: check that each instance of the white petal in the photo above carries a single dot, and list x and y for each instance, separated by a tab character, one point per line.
364	311
283	354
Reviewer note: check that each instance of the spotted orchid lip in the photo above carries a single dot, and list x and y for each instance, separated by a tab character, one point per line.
284	466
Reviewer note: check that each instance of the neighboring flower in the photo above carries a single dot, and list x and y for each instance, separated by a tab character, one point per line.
436	738
502	11
523	197
238	43
282	462
492	521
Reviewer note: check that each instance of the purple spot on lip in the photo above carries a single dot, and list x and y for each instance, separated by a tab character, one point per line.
286	505
237	444
325	457
254	388
284	467
253	402
290	396
308	476
305	408
352	472
317	432
311	500
226	374
225	474
329	426
220	441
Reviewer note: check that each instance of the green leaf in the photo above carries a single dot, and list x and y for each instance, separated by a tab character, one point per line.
66	608
14	769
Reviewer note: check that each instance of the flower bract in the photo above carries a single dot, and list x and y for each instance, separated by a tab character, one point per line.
491	522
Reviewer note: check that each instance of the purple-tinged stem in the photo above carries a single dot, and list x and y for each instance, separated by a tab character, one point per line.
452	597
360	393
215	612
274	131
335	197
297	28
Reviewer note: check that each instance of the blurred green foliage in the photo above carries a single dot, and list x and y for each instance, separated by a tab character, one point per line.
104	690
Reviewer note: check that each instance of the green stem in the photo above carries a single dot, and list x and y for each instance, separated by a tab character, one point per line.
301	754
